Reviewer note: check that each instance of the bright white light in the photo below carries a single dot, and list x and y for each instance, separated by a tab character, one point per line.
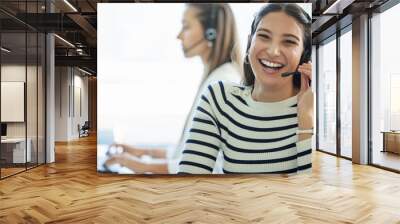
70	5
5	50
64	40
86	72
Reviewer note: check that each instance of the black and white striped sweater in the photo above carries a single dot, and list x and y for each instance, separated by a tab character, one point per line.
255	137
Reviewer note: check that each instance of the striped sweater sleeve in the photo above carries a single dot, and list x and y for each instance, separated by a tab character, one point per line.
203	140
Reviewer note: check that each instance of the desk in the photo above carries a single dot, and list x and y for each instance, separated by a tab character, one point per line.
101	159
15	148
391	141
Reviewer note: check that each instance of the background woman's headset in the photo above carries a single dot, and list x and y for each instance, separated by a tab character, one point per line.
210	31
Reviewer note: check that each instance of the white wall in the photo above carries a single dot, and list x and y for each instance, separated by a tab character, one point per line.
16	73
61	103
33	127
80	83
12	73
70	83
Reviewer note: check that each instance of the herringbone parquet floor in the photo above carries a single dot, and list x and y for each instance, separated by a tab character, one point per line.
70	191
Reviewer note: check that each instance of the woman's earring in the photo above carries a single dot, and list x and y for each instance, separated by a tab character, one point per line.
209	44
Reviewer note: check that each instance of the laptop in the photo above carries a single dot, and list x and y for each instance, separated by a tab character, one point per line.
104	139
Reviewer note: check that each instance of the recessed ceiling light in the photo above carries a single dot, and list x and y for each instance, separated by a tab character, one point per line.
5	50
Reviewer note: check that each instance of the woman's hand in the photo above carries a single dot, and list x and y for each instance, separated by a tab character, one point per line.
305	101
128	149
139	152
135	164
127	160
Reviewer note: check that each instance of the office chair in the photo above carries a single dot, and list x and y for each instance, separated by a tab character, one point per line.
84	130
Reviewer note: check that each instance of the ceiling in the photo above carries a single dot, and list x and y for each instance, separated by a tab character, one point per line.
76	22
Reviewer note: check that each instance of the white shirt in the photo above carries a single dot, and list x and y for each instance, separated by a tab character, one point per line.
225	72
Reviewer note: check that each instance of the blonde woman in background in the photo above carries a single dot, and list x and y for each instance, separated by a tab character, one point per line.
208	31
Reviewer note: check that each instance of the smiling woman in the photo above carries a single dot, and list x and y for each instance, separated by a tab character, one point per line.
266	125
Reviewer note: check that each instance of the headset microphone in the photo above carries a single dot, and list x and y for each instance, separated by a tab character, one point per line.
286	74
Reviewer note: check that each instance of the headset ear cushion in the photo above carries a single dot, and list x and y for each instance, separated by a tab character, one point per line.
211	34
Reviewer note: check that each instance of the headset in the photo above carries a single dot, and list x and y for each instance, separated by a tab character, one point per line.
210	33
305	57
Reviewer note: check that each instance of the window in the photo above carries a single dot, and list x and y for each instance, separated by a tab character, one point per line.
346	94
394	101
327	96
385	88
22	74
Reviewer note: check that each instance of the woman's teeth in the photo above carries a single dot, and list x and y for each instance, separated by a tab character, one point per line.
271	65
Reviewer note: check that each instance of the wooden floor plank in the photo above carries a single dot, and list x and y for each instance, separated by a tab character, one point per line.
71	191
